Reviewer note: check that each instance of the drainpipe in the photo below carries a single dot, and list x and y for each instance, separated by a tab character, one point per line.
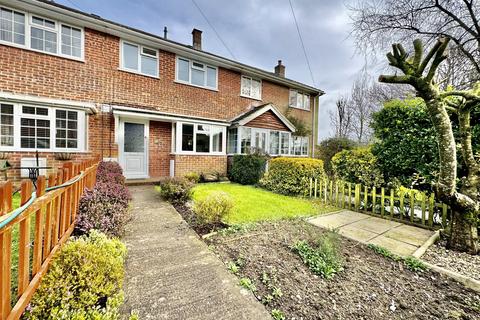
314	121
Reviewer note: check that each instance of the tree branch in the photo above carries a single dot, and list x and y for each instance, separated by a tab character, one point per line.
395	79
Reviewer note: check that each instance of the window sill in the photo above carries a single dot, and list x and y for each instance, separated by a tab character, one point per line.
248	97
138	73
294	107
24	47
196	86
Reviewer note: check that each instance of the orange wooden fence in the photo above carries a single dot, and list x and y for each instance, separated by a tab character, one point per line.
46	221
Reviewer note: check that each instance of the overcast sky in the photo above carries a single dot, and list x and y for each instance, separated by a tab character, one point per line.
258	32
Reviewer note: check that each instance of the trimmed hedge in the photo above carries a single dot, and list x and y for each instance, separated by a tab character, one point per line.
291	176
84	281
176	190
247	168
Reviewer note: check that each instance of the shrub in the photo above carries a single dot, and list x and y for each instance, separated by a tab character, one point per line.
327	148
325	259
291	176
84	281
105	208
110	172
214	207
175	190
357	166
193	177
247	168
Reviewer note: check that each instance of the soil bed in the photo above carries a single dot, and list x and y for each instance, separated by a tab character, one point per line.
369	287
460	262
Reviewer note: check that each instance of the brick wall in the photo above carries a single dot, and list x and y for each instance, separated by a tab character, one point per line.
198	163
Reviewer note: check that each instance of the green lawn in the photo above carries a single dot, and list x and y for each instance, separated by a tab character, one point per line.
256	204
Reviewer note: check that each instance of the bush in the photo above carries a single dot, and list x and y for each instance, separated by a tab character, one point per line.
84	281
325	259
357	166
110	172
247	168
214	207
193	177
175	190
105	208
329	147
291	176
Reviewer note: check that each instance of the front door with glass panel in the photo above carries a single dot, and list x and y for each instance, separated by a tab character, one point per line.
133	149
260	140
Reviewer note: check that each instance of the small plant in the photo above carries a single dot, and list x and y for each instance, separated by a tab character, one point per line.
267	299
233	267
175	190
193	177
84	281
247	284
325	259
412	263
277	314
277	292
216	206
110	172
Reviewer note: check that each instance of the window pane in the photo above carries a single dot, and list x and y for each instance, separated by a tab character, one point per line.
285	143
255	89
130	56
134	139
297	146
245	144
6	125
203	142
246	85
293	98
183	70
71	41
34	133
187	137
149	65
232	140
198	77
306	102
299	103
150	52
217	139
274	142
211	77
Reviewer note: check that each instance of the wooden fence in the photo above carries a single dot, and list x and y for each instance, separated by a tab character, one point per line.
410	207
44	221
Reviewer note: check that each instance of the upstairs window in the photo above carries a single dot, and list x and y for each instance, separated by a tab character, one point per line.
139	59
196	73
251	88
12	26
40	34
299	100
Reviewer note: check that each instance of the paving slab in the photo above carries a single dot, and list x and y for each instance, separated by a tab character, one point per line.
399	238
171	273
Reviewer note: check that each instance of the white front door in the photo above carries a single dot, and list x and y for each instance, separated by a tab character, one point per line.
133	145
260	142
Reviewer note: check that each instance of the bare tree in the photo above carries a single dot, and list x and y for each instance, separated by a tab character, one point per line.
376	23
462	195
341	118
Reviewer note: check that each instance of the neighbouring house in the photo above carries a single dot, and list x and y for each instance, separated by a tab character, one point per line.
73	84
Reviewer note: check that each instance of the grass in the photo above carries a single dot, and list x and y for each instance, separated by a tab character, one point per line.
255	204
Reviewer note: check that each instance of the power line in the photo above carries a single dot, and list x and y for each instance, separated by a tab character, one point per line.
214	30
301	41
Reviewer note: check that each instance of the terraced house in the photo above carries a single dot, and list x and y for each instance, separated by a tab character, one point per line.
73	84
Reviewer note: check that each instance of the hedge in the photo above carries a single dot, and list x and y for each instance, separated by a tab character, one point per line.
291	176
247	168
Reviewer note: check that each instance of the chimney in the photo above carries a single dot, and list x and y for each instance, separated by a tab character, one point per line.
280	69
197	39
165	32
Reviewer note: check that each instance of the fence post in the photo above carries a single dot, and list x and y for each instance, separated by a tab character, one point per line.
5	272
392	202
412	205
401	196
349	195
424	200
365	199
382	203
38	234
24	240
431	209
357	197
310	189
374	199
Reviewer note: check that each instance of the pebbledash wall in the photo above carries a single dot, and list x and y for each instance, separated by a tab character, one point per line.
98	79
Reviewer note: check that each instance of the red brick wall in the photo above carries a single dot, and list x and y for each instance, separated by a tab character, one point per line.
198	163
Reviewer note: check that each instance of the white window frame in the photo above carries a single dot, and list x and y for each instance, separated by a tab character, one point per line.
190	66
58	24
179	132
25	24
302	141
139	59
250	96
305	96
239	140
18	114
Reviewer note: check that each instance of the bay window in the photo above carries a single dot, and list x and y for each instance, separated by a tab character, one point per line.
196	73
31	127
200	138
139	59
300	146
274	142
31	31
299	100
246	140
232	141
285	143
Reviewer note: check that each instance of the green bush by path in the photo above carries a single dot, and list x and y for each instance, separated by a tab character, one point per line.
357	166
247	168
253	204
327	148
175	190
291	176
84	281
214	207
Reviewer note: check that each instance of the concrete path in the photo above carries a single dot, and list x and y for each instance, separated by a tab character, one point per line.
171	274
399	238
